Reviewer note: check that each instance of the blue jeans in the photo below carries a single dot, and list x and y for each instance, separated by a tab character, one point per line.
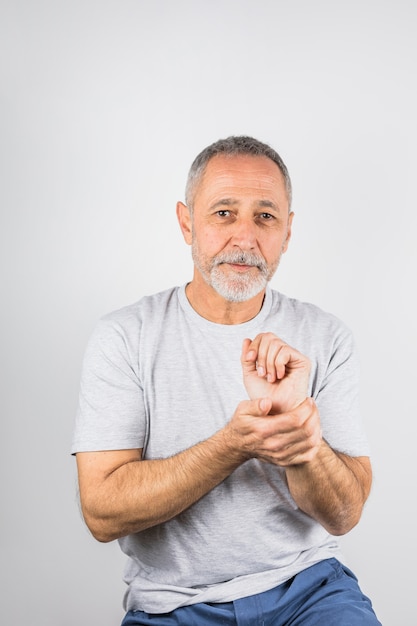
326	594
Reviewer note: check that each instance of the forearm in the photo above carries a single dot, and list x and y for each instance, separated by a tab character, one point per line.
143	493
332	488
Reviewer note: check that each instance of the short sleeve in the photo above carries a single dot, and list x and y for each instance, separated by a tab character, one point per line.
111	413
338	398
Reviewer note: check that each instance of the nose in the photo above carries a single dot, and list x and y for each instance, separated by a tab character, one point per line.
244	234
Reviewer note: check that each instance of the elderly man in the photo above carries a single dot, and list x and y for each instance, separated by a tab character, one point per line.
218	436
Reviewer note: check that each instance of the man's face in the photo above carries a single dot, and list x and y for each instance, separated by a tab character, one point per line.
240	225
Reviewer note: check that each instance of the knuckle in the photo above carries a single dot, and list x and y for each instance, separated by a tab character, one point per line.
309	430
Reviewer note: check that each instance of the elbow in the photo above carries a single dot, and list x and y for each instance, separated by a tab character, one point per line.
107	527
100	528
101	535
102	531
342	523
340	529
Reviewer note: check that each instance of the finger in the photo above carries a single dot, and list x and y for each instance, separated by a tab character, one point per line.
248	357
255	408
248	352
299	436
288	359
272	356
265	405
306	418
279	360
293	423
266	346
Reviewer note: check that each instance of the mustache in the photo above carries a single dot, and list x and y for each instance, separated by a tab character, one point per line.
242	258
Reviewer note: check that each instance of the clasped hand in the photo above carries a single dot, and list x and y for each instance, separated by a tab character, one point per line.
273	369
280	424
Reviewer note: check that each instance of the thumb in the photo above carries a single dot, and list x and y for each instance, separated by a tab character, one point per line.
248	358
264	405
255	408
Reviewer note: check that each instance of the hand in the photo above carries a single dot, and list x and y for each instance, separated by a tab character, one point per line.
285	440
273	369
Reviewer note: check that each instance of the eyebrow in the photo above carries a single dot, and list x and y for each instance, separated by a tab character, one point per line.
224	202
268	204
265	204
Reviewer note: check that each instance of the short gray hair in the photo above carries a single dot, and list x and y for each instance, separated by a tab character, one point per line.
232	146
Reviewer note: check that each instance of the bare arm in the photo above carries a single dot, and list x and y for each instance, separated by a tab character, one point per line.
122	494
329	486
332	488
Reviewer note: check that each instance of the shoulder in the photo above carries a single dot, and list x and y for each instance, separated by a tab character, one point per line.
147	306
301	310
308	324
126	324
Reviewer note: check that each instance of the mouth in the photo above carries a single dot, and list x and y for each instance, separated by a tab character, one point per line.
240	267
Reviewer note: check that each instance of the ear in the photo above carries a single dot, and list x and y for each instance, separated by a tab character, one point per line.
288	237
185	222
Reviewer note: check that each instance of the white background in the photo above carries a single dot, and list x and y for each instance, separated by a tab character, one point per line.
104	104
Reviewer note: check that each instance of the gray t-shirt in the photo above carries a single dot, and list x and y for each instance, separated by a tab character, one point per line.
158	376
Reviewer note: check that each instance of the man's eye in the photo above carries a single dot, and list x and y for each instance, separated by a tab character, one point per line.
223	213
266	216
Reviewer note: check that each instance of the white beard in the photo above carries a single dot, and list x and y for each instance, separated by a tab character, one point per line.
234	286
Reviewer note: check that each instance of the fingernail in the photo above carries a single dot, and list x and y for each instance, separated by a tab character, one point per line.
261	371
264	404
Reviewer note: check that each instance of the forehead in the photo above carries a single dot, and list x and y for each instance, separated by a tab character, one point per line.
234	175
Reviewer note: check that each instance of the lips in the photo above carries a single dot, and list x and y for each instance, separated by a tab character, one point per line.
240	267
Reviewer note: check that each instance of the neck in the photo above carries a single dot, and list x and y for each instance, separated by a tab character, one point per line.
210	305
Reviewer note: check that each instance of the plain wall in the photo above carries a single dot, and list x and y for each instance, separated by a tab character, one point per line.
104	104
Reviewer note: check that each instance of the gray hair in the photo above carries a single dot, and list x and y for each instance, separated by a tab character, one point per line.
232	146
